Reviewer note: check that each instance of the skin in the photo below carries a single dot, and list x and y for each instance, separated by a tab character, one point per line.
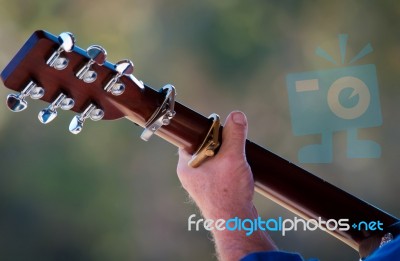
223	188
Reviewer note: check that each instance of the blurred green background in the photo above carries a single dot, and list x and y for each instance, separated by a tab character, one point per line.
106	195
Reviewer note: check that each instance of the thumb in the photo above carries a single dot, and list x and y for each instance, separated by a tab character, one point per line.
234	134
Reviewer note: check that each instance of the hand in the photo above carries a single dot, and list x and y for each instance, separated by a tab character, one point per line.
223	185
223	188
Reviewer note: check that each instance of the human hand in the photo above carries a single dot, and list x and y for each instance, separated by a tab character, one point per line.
223	188
223	185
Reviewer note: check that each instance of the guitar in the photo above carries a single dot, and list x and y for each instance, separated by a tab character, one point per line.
53	69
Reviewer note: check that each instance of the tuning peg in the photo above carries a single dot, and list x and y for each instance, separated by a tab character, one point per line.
124	67
92	112
67	43
17	102
97	54
62	101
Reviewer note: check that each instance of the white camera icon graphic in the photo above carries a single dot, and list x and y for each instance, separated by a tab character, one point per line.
340	99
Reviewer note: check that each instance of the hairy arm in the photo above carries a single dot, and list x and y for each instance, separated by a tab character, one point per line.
223	188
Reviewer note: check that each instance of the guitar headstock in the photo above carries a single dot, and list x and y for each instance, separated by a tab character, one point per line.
55	70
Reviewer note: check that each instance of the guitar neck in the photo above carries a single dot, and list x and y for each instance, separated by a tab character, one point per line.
276	178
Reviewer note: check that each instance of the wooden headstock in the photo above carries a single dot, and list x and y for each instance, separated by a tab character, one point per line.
29	64
138	103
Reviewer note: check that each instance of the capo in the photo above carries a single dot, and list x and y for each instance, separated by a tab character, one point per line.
210	143
163	115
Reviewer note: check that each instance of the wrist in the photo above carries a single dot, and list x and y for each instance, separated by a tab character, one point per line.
233	244
228	212
231	214
237	243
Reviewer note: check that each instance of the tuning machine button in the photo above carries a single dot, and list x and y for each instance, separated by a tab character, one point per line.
67	43
116	87
62	101
98	55
92	112
17	102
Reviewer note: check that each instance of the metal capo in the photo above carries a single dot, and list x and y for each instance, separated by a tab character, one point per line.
163	115
209	145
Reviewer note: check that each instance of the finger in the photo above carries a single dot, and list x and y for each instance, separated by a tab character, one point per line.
184	157
234	134
183	154
183	160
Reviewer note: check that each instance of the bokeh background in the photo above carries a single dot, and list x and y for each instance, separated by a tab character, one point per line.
107	195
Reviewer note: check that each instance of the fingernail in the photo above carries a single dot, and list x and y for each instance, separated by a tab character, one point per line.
239	118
